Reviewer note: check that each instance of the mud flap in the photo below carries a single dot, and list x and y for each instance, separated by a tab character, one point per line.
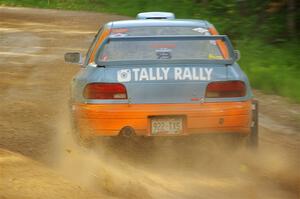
253	137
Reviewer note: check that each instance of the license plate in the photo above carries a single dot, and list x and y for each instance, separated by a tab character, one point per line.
166	125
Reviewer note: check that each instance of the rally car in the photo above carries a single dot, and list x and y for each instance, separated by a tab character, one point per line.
161	76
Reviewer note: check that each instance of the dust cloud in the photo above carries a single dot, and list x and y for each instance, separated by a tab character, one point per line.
180	167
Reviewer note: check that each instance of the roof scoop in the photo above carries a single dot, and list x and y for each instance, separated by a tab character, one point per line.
155	15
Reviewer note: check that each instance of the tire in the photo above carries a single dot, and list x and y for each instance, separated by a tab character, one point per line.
79	138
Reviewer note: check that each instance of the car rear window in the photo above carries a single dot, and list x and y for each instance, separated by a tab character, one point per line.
166	30
163	49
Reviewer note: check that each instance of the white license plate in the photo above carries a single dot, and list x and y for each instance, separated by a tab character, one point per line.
166	125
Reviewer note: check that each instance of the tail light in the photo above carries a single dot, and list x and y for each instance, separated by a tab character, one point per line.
105	91
226	89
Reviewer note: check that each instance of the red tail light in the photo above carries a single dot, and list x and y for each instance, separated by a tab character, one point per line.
105	91
226	89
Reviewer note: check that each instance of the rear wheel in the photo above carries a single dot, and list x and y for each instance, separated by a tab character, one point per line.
79	138
85	141
250	141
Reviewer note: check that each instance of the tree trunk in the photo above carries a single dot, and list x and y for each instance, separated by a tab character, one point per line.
291	22
204	2
243	7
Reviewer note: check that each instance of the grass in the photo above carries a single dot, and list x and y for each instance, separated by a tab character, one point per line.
273	68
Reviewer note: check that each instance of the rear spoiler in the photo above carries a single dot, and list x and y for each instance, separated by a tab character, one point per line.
224	38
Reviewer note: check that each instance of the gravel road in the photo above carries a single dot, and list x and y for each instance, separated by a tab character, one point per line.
38	159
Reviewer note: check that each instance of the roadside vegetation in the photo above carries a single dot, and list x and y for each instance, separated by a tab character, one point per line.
265	31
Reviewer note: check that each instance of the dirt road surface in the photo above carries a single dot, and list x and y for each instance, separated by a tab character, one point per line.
38	158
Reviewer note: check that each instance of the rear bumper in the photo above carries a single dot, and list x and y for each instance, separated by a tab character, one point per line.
217	117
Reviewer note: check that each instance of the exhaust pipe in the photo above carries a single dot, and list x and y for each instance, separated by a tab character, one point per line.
127	132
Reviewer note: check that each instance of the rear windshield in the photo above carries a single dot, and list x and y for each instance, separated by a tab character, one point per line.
163	49
166	30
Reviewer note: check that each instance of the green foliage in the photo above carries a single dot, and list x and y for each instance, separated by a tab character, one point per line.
269	54
272	68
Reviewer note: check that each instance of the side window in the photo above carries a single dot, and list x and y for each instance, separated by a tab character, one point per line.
88	54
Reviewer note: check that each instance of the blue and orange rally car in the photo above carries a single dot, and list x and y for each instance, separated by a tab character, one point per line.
161	76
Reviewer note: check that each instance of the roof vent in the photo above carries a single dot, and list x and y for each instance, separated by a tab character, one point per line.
155	15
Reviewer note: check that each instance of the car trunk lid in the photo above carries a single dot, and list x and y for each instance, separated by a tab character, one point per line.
179	83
